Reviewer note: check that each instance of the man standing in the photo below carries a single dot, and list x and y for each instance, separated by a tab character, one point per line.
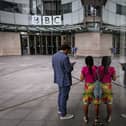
62	77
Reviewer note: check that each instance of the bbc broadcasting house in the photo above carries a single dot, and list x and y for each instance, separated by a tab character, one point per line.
39	27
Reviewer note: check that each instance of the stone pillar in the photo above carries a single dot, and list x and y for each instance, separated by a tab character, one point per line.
10	43
93	43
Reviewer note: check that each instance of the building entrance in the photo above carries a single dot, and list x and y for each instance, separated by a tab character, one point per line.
24	45
40	44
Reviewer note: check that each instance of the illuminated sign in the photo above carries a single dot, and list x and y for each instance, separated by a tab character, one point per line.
47	20
36	20
57	20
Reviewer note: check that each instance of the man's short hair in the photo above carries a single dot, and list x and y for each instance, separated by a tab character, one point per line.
65	46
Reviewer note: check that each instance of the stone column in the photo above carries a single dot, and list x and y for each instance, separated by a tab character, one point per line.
93	43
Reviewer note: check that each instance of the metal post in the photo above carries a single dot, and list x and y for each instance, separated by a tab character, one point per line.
122	44
35	45
28	45
51	46
46	44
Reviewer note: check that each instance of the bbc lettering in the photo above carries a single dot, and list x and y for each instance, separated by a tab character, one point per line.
47	20
36	20
52	20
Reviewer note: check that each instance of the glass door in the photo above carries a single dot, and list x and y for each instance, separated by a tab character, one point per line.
38	45
44	44
24	44
32	44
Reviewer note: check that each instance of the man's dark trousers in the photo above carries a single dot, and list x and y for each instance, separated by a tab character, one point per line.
62	99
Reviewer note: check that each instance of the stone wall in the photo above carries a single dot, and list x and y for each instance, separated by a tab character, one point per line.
93	43
10	43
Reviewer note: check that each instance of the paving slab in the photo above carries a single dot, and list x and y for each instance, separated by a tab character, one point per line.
28	96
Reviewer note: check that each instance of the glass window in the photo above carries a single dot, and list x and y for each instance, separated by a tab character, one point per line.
67	8
33	8
121	9
52	7
13	7
92	10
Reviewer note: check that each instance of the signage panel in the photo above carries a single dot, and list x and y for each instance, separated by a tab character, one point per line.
57	20
36	20
46	20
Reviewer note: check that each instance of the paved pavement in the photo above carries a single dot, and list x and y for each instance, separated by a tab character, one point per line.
28	96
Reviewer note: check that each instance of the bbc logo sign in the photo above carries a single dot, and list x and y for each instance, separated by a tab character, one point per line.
52	20
46	20
36	20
